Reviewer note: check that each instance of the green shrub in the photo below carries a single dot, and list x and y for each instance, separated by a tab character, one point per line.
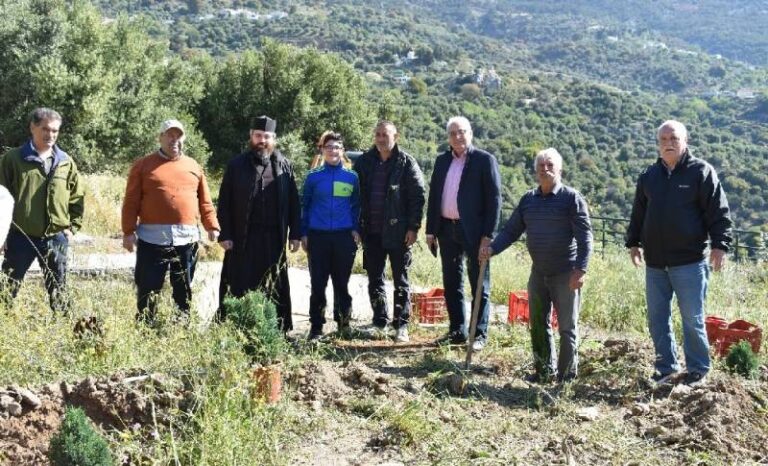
255	316
77	443
741	360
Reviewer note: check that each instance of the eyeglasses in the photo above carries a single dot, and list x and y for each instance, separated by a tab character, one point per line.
333	147
457	132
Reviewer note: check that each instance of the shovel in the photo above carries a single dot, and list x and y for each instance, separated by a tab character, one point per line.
475	312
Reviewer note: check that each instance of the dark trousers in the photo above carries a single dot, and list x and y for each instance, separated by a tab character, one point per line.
453	253
259	264
152	263
543	292
331	253
375	261
51	254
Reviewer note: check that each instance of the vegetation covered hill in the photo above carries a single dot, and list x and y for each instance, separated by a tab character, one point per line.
586	78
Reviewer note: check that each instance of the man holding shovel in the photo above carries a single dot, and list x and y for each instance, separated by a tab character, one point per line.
559	240
462	213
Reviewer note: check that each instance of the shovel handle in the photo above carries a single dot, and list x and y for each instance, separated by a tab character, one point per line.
475	312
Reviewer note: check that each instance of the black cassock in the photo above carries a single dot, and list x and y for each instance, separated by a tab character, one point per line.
258	206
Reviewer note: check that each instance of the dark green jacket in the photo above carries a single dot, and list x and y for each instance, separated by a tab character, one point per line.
45	204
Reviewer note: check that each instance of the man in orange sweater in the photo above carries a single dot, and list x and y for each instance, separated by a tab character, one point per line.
165	196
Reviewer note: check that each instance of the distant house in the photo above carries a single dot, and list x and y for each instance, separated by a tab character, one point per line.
402	80
746	93
488	80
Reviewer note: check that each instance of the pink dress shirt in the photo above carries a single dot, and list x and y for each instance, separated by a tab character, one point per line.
449	207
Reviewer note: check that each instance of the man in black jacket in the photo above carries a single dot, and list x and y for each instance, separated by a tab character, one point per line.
679	205
392	203
258	210
462	212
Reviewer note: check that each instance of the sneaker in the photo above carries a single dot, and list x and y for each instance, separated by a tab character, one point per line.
695	379
478	344
663	379
401	335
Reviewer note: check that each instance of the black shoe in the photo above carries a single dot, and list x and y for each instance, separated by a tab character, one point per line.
695	379
539	378
452	338
315	334
659	379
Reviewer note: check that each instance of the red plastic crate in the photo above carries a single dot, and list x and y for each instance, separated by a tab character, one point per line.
518	309
726	336
429	307
713	325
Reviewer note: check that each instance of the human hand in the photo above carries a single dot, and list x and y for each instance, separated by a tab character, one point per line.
68	233
305	244
410	238
227	244
485	253
636	254
485	242
717	259
577	279
213	235
129	241
356	237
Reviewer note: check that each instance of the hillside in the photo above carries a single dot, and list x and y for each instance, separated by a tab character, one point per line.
589	79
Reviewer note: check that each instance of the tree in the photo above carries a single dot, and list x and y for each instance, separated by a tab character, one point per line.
305	91
112	84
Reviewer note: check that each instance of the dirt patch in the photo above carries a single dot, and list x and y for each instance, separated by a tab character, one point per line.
28	418
722	416
327	384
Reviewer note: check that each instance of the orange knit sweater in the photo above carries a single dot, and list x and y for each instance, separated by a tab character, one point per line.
167	192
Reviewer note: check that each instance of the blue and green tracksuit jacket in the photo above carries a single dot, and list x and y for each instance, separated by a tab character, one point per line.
330	200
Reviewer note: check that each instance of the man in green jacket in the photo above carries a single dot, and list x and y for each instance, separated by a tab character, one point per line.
48	194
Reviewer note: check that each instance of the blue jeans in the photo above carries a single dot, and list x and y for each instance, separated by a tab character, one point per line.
51	254
689	285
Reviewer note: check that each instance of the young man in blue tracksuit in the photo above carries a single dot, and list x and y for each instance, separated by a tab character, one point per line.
329	229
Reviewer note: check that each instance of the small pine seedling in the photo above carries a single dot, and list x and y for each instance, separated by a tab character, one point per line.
741	360
78	443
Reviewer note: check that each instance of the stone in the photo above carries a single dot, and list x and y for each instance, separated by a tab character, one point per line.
640	409
680	391
14	408
5	401
30	399
590	413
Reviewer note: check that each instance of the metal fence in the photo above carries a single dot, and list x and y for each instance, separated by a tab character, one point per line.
747	245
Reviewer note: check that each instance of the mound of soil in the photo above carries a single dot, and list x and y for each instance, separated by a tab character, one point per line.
28	418
722	416
324	384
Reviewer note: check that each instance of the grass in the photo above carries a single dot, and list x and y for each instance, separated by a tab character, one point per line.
504	421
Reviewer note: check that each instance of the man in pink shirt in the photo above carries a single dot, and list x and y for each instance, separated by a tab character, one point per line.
462	213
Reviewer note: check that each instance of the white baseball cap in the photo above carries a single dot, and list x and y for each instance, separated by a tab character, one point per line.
168	124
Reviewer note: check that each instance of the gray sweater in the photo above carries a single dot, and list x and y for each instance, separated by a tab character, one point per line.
559	234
